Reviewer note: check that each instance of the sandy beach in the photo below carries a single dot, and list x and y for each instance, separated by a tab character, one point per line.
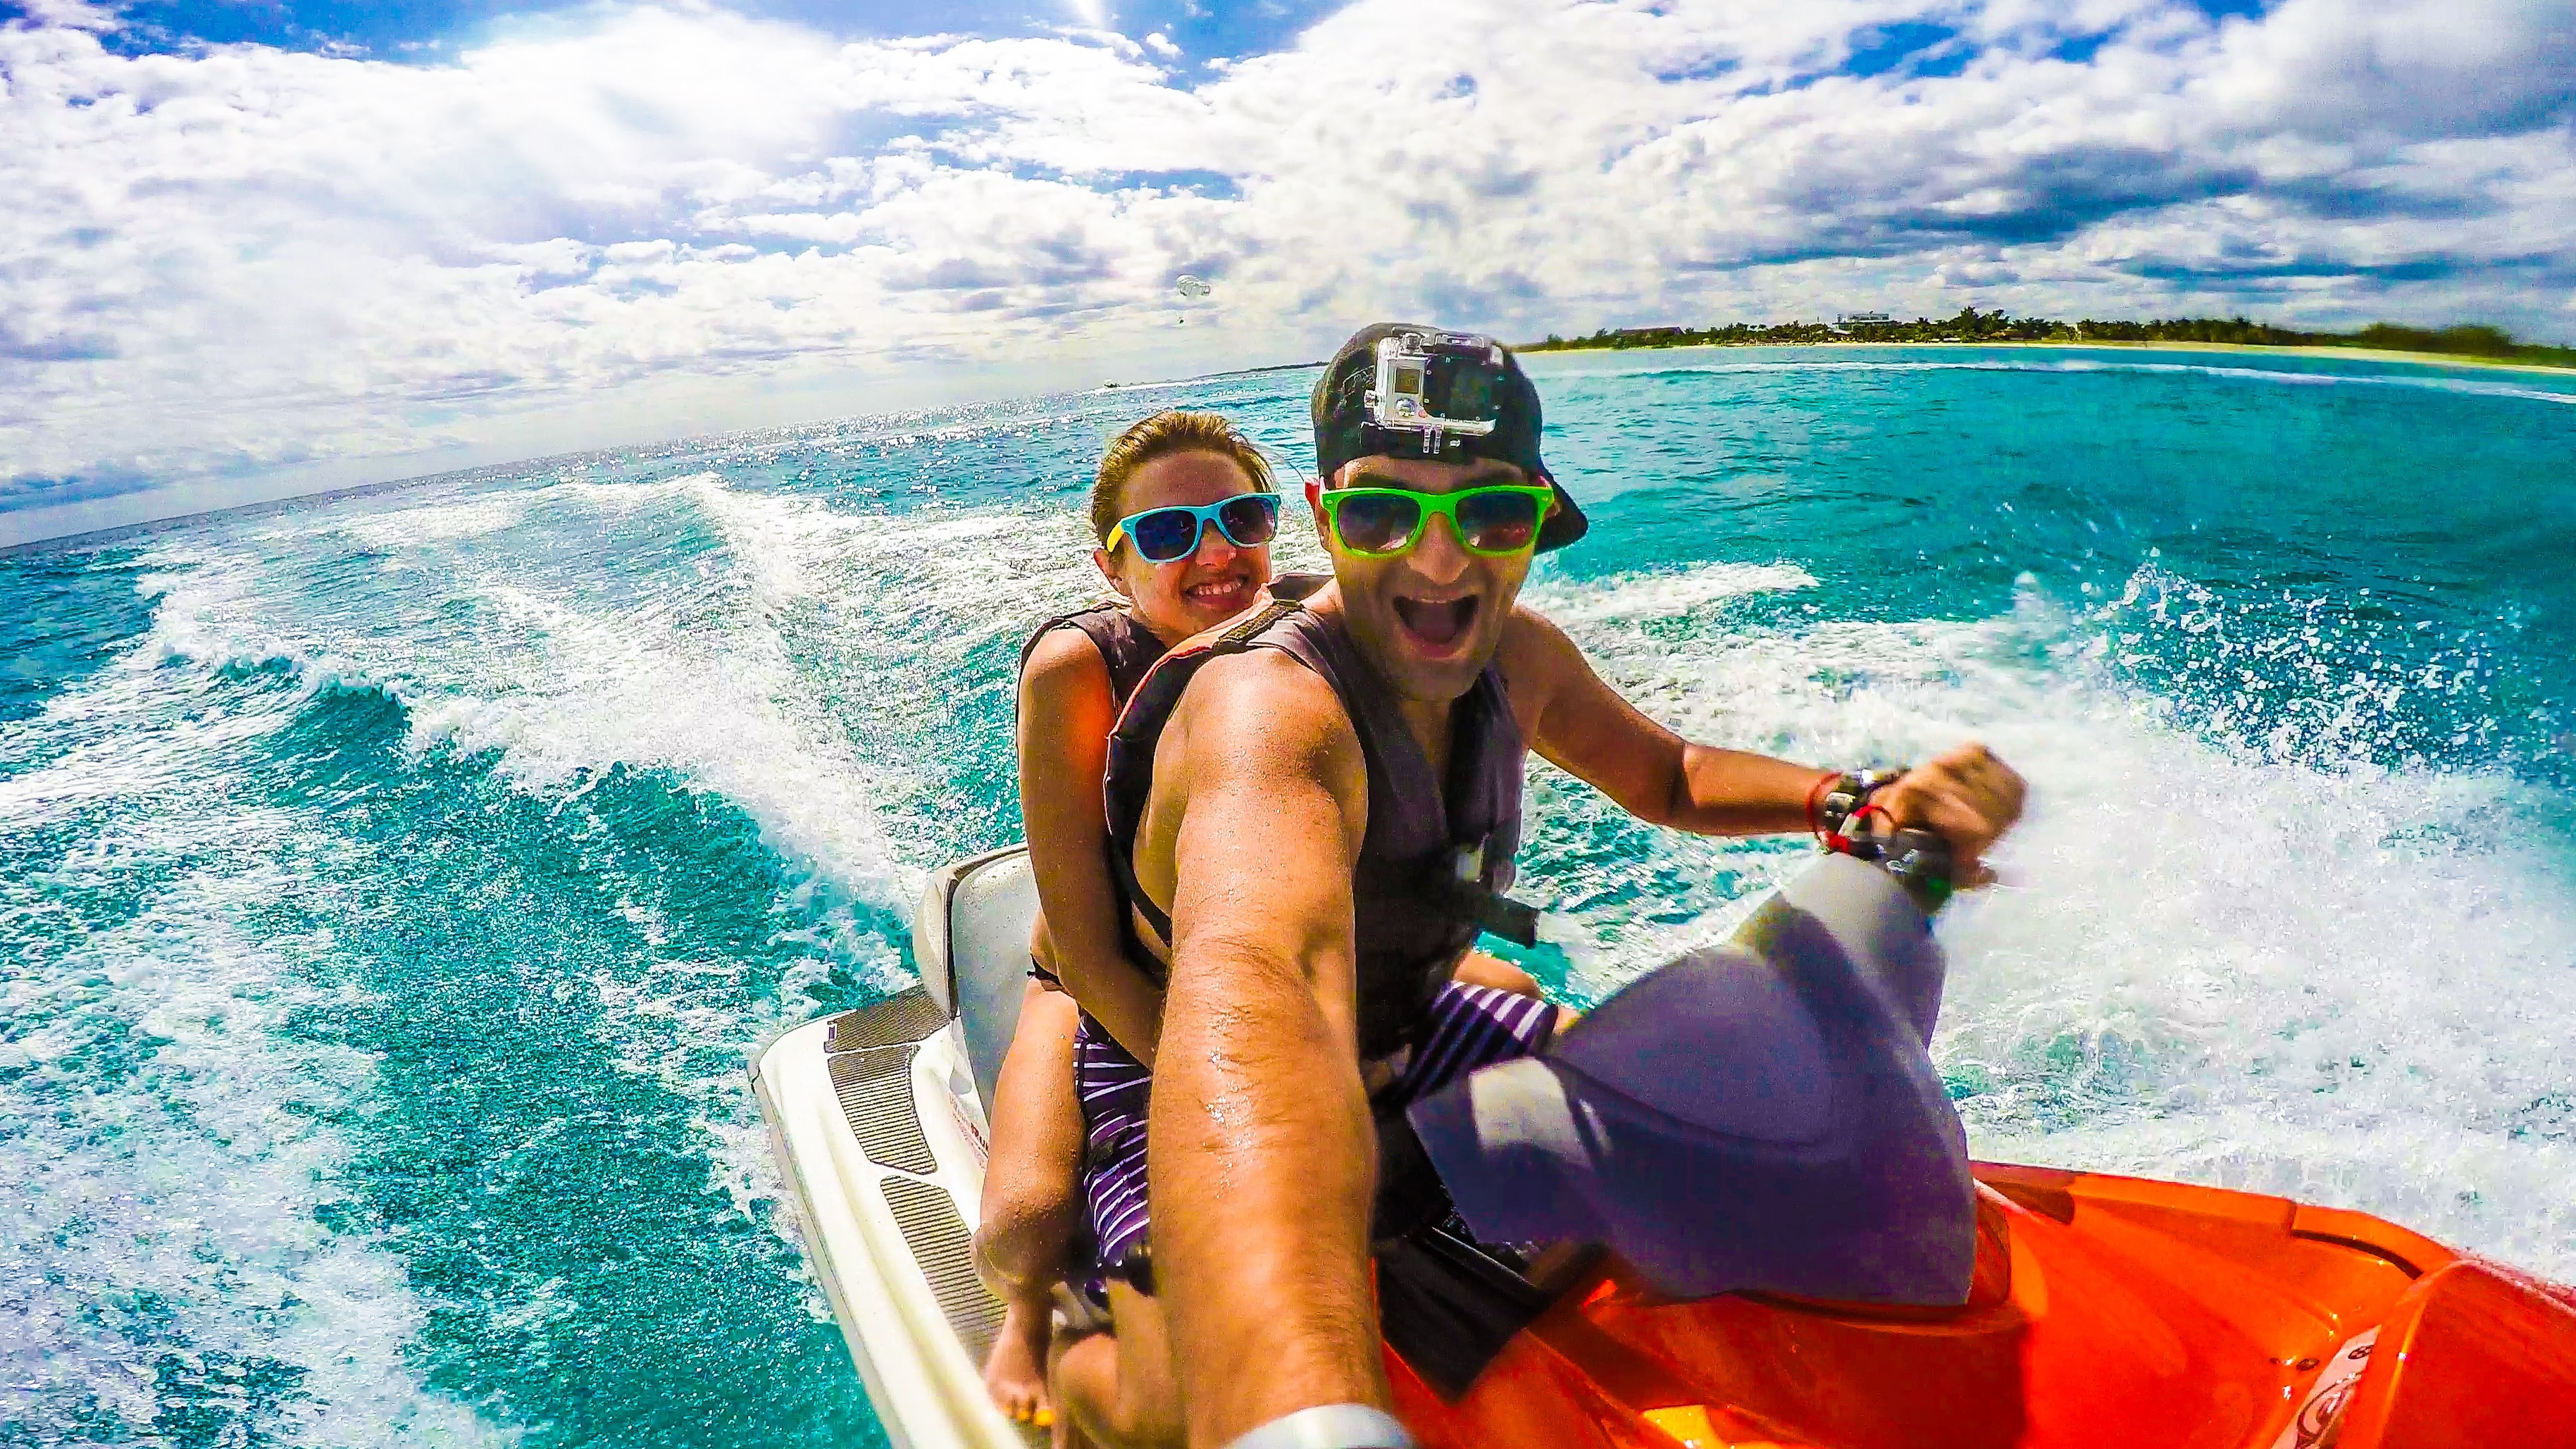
2438	359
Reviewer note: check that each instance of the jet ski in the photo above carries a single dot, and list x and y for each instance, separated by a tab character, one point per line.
2070	1308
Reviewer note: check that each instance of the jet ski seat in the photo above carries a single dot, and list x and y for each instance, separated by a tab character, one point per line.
971	941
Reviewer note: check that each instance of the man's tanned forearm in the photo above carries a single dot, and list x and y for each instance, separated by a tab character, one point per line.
1262	1151
1732	792
1261	1245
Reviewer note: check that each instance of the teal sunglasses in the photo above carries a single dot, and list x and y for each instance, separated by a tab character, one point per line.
1168	535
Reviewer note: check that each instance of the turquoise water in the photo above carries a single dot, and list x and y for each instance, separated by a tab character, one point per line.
391	889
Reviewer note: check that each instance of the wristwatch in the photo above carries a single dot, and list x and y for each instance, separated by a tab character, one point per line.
1848	793
1328	1426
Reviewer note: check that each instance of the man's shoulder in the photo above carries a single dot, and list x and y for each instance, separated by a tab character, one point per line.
1263	712
1265	691
1533	649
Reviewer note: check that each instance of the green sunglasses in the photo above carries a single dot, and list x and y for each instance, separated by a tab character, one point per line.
1493	521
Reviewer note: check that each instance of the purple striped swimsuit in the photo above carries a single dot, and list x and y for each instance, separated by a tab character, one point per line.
1467	1027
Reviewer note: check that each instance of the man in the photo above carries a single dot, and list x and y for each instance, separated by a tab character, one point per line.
1314	812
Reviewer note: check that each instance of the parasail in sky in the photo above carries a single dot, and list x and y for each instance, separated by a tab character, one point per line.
1193	287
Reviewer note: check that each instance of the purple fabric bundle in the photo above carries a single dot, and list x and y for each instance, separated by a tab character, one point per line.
1763	1115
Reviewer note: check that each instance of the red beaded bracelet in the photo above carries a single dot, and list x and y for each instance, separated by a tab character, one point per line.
1816	798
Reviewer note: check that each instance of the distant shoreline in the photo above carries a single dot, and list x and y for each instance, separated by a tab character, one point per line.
2439	359
96	536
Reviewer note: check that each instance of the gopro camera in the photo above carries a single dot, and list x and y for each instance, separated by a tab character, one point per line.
1437	386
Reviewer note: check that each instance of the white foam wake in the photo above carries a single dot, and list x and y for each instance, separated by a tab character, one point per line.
700	654
171	1146
1629	597
559	664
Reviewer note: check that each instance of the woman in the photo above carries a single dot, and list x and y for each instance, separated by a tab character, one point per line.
1185	508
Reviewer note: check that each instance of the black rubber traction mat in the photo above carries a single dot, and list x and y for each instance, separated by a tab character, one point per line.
868	1053
895	1021
875	1088
939	1243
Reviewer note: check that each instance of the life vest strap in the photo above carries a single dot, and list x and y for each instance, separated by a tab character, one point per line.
1234	640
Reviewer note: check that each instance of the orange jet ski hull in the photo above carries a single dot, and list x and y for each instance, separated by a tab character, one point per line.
2106	1311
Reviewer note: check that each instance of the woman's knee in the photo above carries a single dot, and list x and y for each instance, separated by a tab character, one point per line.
1024	1241
1482	968
1032	1200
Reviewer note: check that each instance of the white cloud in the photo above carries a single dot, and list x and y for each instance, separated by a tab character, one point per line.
245	263
71	14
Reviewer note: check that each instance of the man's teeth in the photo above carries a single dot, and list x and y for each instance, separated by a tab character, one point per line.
1437	623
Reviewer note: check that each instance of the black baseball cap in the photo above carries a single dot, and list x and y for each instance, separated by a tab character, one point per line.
1343	430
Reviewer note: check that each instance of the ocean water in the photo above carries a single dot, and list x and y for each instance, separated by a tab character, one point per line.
393	887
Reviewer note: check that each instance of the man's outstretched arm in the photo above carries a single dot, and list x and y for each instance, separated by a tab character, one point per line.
1586	729
1261	1148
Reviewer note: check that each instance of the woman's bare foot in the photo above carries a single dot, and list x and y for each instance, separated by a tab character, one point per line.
1015	1371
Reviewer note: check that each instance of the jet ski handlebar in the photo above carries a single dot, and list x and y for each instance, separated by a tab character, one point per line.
1921	861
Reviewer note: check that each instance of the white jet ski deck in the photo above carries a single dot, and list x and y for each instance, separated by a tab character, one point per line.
877	1116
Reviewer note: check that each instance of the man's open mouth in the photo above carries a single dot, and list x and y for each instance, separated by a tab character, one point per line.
1437	624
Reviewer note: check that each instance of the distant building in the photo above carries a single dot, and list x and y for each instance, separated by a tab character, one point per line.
1866	319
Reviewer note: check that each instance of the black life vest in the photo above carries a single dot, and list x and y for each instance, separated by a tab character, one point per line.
1438	854
1127	647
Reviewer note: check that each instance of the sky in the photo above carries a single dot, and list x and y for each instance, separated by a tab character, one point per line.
258	247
